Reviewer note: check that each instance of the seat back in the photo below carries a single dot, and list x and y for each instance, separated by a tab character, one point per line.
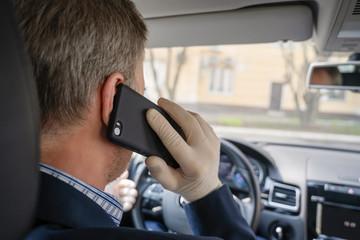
19	131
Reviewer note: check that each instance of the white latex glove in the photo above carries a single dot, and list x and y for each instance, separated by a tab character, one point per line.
198	156
124	189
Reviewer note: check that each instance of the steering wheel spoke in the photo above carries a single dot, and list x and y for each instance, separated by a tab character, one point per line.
154	191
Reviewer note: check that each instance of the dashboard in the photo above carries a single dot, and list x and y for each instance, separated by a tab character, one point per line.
308	192
231	174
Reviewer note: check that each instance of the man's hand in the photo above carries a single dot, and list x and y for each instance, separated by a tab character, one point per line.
124	189
198	156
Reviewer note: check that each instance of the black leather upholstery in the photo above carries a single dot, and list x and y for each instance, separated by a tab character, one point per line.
19	131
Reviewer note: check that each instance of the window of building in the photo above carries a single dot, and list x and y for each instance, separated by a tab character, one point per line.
333	95
221	81
220	75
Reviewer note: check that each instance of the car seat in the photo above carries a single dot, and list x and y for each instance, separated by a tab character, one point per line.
19	131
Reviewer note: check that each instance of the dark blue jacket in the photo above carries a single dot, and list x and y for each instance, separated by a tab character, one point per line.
65	213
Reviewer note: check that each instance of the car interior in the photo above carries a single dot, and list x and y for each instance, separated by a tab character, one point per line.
285	189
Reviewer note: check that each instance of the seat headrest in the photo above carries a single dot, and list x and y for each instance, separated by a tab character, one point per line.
19	130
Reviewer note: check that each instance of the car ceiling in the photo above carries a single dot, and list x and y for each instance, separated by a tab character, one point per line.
333	24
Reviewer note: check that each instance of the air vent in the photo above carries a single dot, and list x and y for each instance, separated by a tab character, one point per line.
284	197
356	8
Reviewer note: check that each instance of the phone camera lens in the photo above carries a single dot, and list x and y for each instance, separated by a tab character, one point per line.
117	129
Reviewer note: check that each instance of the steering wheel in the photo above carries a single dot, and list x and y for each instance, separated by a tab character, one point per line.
160	204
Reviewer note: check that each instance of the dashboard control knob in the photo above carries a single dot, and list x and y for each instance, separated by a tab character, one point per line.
279	233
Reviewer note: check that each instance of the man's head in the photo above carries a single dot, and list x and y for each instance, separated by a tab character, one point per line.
80	51
74	46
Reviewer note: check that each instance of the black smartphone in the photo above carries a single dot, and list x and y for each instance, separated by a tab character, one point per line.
129	128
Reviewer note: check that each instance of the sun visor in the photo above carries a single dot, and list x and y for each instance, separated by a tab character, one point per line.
247	25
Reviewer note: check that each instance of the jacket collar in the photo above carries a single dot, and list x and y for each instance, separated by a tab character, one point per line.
62	204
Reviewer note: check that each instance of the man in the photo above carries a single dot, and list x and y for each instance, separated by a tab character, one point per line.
80	51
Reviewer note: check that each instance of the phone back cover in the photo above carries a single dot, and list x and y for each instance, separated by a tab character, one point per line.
136	134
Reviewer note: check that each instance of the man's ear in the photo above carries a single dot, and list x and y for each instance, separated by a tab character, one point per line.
108	92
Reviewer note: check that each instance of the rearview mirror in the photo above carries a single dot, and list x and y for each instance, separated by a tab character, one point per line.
343	76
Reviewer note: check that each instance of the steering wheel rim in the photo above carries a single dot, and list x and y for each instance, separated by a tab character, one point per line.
143	181
136	215
240	160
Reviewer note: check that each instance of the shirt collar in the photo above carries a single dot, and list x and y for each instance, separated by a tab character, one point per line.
106	201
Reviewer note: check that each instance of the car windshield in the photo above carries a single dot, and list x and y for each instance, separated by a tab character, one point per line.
257	91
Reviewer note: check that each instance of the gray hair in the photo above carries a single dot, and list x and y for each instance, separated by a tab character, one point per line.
74	45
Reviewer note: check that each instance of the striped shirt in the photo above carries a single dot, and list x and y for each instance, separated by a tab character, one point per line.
106	201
